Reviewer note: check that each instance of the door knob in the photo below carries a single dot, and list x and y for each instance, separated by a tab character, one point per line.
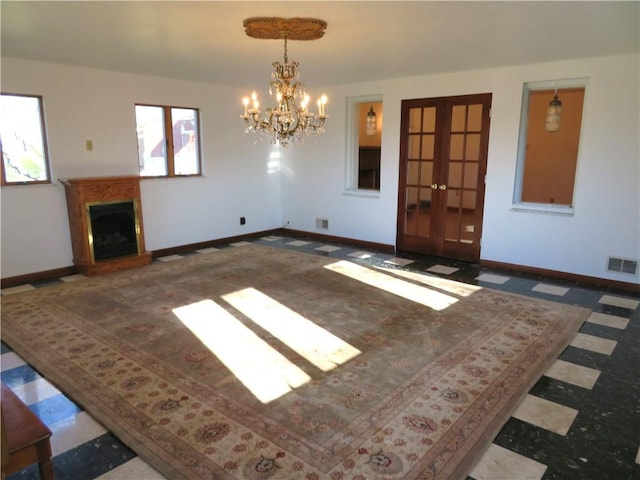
442	186
434	186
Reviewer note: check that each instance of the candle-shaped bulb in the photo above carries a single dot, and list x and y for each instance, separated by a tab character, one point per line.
245	102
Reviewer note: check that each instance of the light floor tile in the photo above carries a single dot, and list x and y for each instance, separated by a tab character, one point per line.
619	302
298	243
550	289
361	255
134	469
208	250
328	248
74	431
401	262
594	344
36	391
491	278
608	320
271	238
240	244
545	414
442	269
498	463
17	289
574	374
72	278
10	360
170	258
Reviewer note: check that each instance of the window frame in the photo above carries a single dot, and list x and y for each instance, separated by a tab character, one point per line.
168	137
353	143
527	87
45	146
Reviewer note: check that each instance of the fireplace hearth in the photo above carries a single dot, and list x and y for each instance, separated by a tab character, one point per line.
106	224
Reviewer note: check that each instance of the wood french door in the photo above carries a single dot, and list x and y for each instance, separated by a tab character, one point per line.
443	160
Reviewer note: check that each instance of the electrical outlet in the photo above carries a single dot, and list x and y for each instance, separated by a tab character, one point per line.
243	220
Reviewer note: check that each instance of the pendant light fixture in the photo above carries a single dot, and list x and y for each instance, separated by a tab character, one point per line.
554	114
372	123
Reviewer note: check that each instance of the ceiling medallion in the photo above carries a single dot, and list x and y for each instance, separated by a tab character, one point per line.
276	28
289	121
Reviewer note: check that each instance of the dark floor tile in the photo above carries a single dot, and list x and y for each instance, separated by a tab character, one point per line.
94	458
4	348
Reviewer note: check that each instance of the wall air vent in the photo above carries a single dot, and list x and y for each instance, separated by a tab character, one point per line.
322	223
622	265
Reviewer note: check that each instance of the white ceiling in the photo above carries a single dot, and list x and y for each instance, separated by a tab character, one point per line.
365	40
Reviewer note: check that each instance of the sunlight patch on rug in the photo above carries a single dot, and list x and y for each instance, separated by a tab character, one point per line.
314	343
264	371
450	286
410	291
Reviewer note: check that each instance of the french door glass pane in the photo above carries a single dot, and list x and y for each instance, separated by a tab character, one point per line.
412	173
473	147
414	147
458	113
428	146
456	146
426	173
455	175
429	120
152	154
414	120
474	118
471	175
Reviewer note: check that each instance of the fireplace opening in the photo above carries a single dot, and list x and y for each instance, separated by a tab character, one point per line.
113	229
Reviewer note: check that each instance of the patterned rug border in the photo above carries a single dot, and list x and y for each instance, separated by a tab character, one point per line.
446	464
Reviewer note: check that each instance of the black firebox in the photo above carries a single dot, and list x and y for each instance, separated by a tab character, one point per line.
113	229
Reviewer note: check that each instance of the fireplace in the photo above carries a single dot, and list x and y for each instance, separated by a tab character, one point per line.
105	220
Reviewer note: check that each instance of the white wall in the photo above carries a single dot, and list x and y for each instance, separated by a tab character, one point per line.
606	220
84	104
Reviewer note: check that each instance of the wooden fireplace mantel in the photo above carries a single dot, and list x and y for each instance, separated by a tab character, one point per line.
82	192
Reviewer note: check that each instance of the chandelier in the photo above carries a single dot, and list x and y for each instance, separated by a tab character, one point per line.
290	120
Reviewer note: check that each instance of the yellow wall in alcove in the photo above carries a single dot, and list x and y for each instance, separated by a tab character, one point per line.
551	157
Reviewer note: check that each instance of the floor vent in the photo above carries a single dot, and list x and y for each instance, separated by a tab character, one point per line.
623	265
322	223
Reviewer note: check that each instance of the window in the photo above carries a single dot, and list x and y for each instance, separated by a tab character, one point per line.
547	160
168	141
23	140
364	144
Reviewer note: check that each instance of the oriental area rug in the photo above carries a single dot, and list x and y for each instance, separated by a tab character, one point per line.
261	363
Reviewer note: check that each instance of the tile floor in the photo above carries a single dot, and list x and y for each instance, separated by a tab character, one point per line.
580	421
